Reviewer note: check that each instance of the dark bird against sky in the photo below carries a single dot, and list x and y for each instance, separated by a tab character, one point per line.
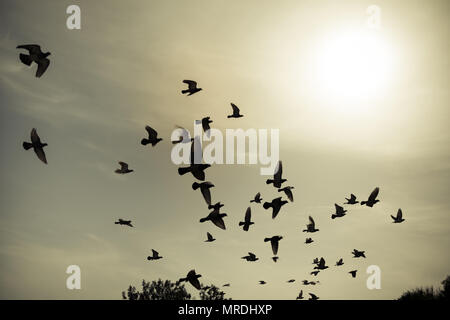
37	146
35	55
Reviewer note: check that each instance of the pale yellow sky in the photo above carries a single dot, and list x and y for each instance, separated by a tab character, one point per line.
124	69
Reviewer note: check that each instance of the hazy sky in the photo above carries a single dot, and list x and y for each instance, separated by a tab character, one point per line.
124	69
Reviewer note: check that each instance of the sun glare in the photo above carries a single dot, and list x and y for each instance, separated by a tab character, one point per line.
353	65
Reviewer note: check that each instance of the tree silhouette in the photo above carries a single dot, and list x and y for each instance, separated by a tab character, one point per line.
429	293
168	290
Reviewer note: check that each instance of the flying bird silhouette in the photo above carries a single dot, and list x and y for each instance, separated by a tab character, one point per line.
276	205
372	198
124	222
399	217
321	265
192	87
236	112
340	212
262	282
152	137
257	198
277	177
309	240
313	297
247	220
205	124
226	285
274	243
288	192
311	226
37	146
204	188
123	168
315	273
250	257
197	169
210	237
216	218
35	55
155	255
352	199
358	254
291	281
340	262
353	273
192	278
300	295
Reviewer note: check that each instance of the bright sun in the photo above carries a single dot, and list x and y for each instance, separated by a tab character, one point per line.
353	65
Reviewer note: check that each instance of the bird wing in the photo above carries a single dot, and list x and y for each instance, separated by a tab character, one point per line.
374	194
274	247
399	214
155	253
123	165
248	215
35	137
152	134
289	194
40	154
206	195
210	237
258	195
339	209
252	255
195	283
32	48
42	66
312	223
235	109
279	172
218	221
191	83
352	197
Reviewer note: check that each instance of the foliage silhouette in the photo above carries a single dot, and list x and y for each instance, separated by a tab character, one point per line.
429	293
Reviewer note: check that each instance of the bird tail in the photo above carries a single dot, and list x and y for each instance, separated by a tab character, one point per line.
145	142
27	145
184	91
116	222
195	185
185	170
266	205
333	216
25	58
229	116
269	181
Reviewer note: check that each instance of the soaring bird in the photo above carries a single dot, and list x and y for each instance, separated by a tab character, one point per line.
353	273
155	255
262	282
399	217
152	137
205	123
352	199
291	280
340	212
300	295
37	146
35	55
226	285
309	240
313	297
372	198
210	237
275	259
288	192
236	111
192	277
257	198
216	206
216	218
340	262
247	220
250	257
277	177
358	254
184	137
321	265
204	188
197	169
124	222
315	273
274	243
311	226
276	205
123	168
192	87
305	282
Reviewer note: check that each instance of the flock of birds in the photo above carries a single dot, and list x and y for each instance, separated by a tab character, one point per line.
197	169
